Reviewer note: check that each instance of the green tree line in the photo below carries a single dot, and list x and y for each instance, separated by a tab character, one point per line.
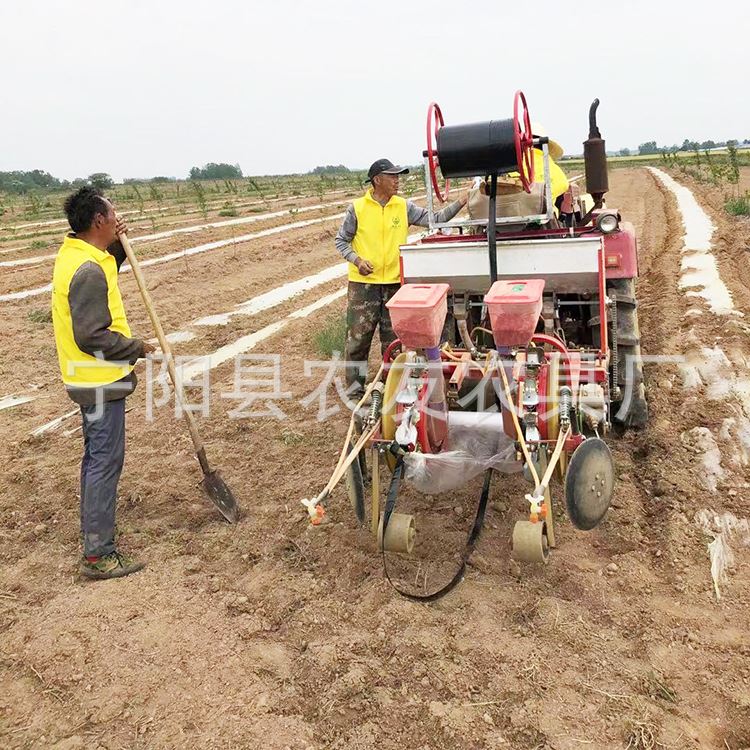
212	171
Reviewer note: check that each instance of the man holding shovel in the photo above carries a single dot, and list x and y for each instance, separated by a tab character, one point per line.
96	354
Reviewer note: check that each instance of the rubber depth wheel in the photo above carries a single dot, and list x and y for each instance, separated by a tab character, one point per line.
530	543
390	391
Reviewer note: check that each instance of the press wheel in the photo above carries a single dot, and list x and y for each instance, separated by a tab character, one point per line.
400	534
530	543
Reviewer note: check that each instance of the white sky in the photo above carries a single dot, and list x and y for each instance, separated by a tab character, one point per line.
148	87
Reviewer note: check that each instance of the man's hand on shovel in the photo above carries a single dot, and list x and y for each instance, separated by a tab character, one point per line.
121	226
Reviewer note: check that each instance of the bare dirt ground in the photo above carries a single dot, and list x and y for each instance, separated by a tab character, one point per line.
744	183
274	634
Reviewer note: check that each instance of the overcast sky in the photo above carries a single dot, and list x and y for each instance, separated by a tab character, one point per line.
149	87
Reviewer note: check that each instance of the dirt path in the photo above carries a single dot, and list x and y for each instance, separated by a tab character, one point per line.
276	635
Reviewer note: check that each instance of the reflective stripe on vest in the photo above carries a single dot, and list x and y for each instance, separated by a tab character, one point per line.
78	368
381	230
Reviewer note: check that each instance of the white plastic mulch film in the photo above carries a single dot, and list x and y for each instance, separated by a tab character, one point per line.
724	528
476	442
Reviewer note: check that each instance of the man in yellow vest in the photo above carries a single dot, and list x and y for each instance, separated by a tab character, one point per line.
373	229
96	354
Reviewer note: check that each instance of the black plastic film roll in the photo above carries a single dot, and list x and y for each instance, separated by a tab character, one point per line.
479	148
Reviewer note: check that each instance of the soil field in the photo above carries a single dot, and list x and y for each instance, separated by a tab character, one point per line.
275	634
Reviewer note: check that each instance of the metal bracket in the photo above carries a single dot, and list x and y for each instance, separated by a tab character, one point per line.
544	218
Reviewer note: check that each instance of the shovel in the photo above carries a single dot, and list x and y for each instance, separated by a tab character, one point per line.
218	492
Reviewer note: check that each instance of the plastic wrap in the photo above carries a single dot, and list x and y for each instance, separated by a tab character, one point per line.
724	527
476	442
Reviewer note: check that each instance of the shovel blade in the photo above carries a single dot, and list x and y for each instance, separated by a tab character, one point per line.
221	496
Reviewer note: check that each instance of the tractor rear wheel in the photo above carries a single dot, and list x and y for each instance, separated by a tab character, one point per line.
629	407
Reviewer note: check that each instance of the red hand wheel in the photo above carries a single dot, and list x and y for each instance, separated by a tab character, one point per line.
524	141
432	157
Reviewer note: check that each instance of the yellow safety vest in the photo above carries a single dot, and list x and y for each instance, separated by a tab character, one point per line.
78	368
381	230
558	180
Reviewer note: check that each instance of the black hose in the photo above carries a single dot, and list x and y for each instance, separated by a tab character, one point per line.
476	530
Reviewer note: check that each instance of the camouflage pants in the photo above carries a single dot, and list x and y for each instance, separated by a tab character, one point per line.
365	312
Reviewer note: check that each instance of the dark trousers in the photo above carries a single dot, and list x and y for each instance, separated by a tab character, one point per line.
365	312
103	457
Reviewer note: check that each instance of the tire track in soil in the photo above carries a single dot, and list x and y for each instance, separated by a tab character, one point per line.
660	308
278	634
670	481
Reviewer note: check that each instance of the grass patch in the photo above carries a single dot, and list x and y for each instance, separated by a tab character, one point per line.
290	437
228	212
331	337
739	206
40	315
39	244
656	686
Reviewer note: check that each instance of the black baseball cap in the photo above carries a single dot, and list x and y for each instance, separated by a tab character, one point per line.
384	166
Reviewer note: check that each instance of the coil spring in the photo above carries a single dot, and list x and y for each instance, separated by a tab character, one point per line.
377	402
566	403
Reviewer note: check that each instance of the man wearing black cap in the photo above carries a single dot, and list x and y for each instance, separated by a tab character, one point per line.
373	229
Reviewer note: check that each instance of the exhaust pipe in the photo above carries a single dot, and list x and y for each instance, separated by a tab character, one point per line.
595	158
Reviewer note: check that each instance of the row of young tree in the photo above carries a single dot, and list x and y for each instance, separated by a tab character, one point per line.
36	179
650	147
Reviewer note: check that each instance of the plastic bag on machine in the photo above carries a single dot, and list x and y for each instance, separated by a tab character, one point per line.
476	442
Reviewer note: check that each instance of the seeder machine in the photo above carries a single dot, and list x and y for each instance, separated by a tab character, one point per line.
516	324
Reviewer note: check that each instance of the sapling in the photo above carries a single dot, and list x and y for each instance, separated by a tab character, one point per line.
200	197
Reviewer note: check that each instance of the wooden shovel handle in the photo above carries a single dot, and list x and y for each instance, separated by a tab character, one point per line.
166	350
